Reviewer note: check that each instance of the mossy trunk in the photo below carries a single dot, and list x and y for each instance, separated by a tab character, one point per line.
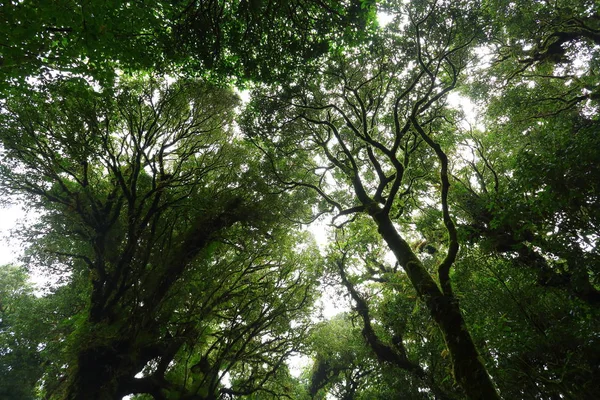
469	371
99	370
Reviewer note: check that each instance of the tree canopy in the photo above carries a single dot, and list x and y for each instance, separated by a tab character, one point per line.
463	237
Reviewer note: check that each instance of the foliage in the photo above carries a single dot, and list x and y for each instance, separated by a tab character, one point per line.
373	128
217	38
20	367
466	245
143	190
541	341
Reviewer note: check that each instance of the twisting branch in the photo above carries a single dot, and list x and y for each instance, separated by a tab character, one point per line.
395	355
384	352
481	152
446	264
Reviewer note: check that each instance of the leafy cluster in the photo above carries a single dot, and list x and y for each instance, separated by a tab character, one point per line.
172	216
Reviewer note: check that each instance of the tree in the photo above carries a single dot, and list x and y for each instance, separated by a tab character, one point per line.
219	38
239	316
526	192
463	247
373	121
536	33
341	364
33	331
20	362
544	101
144	191
541	341
396	325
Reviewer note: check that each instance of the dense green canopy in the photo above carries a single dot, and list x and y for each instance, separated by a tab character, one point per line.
452	153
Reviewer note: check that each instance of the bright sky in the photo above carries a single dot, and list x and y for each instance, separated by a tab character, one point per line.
9	250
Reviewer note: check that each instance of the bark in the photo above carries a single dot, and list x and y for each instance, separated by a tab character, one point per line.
384	352
105	363
468	368
99	370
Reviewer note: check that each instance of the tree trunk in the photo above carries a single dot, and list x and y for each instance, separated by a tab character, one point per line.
99	371
103	364
468	368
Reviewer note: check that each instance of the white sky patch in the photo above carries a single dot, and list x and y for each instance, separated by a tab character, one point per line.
10	249
297	364
243	94
12	218
319	230
331	304
383	18
226	380
390	258
464	104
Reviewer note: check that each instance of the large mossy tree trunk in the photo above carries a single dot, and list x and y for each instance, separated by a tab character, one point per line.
469	370
116	344
99	371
